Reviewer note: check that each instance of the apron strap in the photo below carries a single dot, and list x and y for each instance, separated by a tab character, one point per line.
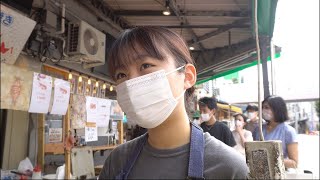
133	158
196	156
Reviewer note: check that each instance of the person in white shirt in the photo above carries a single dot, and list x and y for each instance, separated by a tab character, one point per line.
240	134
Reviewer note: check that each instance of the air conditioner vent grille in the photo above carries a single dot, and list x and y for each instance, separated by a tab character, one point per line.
73	41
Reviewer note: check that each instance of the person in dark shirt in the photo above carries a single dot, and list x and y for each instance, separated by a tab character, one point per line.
208	107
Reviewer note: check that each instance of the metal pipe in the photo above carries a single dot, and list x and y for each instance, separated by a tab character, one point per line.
259	74
63	16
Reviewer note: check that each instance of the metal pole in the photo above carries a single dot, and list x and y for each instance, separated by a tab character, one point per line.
273	84
259	74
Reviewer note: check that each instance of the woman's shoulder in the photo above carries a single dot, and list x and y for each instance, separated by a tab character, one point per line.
288	128
223	161
118	158
127	147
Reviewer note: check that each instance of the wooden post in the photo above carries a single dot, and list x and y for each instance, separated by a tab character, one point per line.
67	155
120	130
41	141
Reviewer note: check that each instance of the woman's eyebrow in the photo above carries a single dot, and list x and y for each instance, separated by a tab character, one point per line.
141	57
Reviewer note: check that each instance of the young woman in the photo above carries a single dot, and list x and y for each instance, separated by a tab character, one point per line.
153	70
274	111
240	134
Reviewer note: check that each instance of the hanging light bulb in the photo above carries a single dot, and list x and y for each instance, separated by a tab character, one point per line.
70	75
166	12
97	83
89	81
191	48
104	86
80	78
111	88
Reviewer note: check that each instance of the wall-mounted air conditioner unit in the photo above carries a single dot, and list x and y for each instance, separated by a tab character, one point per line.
88	42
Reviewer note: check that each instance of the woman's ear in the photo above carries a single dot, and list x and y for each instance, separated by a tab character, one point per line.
190	76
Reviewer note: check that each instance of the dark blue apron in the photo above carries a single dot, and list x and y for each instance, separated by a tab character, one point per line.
196	163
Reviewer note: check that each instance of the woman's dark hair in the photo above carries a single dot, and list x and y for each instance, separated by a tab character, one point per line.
278	107
245	118
156	42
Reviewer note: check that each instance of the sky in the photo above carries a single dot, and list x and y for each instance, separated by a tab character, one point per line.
297	70
297	32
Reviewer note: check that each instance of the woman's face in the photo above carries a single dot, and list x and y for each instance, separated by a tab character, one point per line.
240	119
267	113
145	64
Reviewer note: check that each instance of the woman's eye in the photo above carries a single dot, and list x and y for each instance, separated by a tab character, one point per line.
120	76
145	66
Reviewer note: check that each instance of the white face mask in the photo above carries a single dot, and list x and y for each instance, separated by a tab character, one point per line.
267	115
205	117
251	115
147	100
239	123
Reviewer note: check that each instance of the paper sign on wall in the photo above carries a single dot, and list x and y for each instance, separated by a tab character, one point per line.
55	135
103	112
91	132
16	86
78	111
61	97
116	112
15	31
98	111
41	93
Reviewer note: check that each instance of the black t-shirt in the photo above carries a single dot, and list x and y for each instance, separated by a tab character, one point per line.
220	131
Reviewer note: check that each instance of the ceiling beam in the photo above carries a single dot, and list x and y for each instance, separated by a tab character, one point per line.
219	31
184	26
173	6
223	13
102	10
220	56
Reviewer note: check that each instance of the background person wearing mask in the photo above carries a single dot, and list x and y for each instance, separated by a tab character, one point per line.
155	77
274	111
219	130
240	134
253	120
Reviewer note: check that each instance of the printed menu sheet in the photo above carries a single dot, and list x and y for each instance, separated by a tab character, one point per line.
41	93
55	135
98	111
91	132
61	97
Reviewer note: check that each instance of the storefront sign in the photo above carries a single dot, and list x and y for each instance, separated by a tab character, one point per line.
91	132
41	93
98	111
15	87
55	135
15	31
61	97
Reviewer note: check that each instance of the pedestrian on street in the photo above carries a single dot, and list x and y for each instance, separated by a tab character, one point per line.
208	108
274	111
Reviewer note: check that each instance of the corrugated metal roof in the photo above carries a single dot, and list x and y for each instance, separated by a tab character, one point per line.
195	18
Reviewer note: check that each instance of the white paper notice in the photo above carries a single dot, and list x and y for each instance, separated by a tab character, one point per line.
61	97
98	111
41	93
91	132
55	135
